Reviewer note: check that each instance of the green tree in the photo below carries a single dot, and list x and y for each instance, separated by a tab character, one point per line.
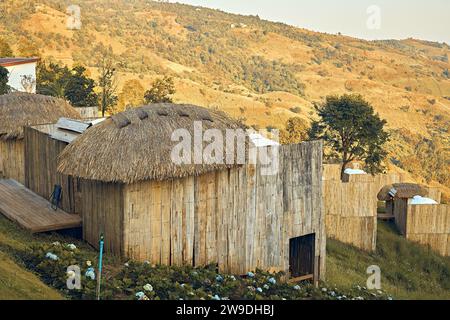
161	91
80	89
352	131
5	49
4	88
73	85
51	79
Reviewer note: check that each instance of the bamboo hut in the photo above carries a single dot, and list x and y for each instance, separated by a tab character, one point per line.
43	144
422	220
150	208
23	109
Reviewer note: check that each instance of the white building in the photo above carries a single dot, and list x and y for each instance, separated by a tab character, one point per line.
22	73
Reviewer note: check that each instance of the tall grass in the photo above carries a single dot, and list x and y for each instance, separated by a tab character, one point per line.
408	270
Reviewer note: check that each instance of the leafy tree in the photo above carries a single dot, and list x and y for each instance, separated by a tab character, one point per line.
161	91
131	95
296	131
52	79
73	85
107	83
5	49
352	131
80	89
4	88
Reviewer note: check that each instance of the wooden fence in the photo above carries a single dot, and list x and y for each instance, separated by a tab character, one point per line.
425	224
351	205
41	153
12	160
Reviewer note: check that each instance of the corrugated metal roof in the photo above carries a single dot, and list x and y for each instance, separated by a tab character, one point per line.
67	130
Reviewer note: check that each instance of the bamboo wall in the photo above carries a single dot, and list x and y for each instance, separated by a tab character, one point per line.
425	224
400	208
435	194
101	208
12	160
237	218
41	152
351	205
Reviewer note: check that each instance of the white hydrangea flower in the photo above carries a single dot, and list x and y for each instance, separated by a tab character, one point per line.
51	256
148	287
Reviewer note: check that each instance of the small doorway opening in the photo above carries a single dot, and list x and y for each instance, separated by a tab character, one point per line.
302	257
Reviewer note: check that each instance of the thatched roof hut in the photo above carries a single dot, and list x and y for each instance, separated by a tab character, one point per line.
21	109
402	191
18	110
136	144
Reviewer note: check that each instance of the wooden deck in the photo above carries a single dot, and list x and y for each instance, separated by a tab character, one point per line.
31	211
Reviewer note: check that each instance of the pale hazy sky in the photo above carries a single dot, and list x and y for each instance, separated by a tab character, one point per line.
399	19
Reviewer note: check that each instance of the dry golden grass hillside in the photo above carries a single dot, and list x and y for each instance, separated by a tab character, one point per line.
259	71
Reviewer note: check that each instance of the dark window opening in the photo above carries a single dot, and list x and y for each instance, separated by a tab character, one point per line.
302	256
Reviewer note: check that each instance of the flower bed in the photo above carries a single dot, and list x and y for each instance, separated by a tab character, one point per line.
142	281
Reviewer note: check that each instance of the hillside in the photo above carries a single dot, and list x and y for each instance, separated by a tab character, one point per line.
408	270
16	282
261	72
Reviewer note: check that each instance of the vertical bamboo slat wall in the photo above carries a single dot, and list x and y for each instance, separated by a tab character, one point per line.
425	224
351	206
41	175
12	160
237	218
101	208
400	209
435	194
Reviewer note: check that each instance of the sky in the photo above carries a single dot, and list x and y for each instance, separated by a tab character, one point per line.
367	19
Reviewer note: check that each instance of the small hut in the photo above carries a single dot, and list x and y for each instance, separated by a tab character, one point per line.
150	208
23	109
43	144
418	218
398	194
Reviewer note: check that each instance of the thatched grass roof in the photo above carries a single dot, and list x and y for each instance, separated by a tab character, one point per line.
20	109
136	144
402	191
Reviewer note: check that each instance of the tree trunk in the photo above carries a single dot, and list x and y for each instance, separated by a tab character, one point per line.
344	165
